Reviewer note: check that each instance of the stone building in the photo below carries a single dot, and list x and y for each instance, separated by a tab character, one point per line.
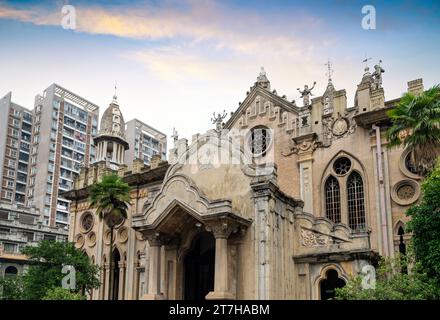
21	226
280	202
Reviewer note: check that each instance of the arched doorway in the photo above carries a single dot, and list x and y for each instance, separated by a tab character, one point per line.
199	267
115	285
11	272
330	283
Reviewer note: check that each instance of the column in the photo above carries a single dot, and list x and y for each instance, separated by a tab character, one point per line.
105	150
221	231
107	280
121	293
154	290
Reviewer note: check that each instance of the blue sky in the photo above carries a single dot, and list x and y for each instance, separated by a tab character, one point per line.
176	62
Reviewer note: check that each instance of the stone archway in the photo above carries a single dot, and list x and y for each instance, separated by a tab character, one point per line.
328	285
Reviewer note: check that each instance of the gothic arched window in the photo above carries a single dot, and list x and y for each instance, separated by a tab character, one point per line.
333	200
356	206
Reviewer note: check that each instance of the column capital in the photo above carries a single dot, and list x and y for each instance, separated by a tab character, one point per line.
221	228
155	239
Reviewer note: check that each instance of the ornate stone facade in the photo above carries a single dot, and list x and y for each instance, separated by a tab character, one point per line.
276	225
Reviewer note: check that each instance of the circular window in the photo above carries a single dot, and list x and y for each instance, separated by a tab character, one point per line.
87	222
407	165
410	165
79	241
405	192
259	141
91	239
342	166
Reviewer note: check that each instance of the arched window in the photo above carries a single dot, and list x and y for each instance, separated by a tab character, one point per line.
356	206
333	200
11	272
402	245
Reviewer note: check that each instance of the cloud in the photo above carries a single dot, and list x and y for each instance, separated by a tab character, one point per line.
200	40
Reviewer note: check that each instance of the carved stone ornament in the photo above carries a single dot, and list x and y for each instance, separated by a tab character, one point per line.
340	126
313	239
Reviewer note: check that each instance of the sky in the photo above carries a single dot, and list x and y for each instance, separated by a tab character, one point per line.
177	62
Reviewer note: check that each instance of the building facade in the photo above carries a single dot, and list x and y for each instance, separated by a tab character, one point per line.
283	201
20	227
145	141
62	141
15	141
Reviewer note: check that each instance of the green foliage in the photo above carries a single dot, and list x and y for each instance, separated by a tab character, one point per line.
392	283
11	288
110	197
44	273
419	117
62	294
425	225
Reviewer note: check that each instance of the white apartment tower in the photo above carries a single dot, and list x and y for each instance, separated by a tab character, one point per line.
144	141
62	141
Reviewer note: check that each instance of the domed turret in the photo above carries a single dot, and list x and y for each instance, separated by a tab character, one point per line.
110	142
112	121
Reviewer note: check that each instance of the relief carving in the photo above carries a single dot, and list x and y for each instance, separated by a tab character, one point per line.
314	239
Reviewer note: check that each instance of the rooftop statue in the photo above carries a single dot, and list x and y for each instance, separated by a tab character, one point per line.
306	93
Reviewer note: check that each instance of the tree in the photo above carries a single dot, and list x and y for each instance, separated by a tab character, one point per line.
416	125
11	288
62	294
46	261
111	198
425	225
392	283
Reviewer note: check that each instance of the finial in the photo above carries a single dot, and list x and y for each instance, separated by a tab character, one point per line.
262	72
175	135
329	70
115	97
366	63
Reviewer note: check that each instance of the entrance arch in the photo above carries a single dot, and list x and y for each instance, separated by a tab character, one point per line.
328	285
199	267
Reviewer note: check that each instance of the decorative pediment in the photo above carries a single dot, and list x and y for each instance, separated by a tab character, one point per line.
261	102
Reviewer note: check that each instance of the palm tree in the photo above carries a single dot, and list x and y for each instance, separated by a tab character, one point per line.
111	198
416	126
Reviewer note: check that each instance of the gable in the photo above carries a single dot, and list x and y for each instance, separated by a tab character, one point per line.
263	103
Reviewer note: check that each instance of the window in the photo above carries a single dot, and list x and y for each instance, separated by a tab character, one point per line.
333	200
342	166
355	198
11	271
259	141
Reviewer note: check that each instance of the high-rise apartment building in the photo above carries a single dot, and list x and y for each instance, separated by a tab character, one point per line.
62	141
15	140
144	141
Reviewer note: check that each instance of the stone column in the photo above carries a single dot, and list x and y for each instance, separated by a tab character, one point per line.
154	290
107	280
121	292
221	231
